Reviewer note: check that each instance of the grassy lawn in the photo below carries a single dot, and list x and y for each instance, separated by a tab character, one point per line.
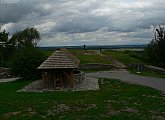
147	73
84	59
121	57
114	101
90	56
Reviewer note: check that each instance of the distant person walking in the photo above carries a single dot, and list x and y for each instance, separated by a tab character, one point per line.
100	49
84	47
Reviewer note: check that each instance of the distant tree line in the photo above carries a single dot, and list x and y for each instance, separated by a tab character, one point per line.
20	52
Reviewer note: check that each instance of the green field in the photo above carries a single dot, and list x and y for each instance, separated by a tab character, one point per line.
93	56
90	56
122	57
114	101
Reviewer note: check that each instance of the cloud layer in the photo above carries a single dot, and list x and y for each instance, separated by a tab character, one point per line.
77	22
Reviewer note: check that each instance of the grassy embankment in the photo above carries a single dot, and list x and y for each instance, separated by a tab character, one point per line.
132	57
115	100
122	57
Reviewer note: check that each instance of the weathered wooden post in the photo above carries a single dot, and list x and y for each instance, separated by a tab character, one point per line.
71	79
43	79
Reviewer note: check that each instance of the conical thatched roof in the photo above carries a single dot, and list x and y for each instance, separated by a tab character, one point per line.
60	59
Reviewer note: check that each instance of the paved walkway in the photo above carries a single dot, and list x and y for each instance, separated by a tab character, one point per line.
8	79
123	75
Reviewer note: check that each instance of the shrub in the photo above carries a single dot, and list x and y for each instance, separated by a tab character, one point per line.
25	61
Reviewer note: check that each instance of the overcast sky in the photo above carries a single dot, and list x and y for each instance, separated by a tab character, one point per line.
90	22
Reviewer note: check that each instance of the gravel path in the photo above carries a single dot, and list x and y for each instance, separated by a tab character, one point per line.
89	83
123	75
8	79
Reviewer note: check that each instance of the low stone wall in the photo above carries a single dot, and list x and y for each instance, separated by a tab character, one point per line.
155	69
136	66
95	65
147	67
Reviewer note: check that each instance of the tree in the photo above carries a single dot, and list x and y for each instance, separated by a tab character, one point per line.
25	57
28	37
4	42
152	51
25	61
156	48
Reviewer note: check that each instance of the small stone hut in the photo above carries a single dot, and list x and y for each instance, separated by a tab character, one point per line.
57	70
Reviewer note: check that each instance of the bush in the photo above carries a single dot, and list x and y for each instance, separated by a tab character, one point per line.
155	52
25	61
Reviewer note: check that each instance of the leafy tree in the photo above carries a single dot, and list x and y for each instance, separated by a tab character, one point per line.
156	48
25	57
29	36
25	61
152	51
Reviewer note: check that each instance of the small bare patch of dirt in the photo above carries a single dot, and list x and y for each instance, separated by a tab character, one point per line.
91	106
158	117
112	113
129	110
31	111
59	108
12	114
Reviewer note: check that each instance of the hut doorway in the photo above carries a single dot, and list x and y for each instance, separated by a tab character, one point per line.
58	79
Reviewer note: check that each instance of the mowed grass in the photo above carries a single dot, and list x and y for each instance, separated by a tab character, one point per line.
90	56
114	101
121	57
84	59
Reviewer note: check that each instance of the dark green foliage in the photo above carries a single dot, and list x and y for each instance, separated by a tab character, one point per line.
3	38
156	48
29	36
161	44
5	47
20	53
152	51
25	61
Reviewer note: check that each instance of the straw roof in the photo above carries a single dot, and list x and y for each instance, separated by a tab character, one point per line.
60	59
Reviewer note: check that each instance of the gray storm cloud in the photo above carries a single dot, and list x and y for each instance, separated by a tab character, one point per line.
74	22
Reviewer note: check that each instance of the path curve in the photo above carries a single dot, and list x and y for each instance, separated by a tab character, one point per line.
124	75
